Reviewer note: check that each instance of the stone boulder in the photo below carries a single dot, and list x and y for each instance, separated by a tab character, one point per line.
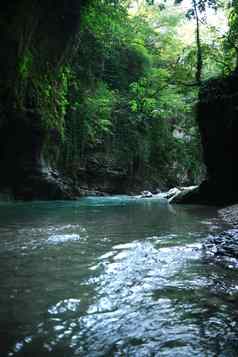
146	194
223	245
182	194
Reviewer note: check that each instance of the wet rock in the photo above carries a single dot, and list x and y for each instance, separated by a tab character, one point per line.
157	191
6	195
45	183
230	215
146	194
177	195
173	192
82	192
225	244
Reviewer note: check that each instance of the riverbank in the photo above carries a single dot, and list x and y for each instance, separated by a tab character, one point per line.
225	245
230	215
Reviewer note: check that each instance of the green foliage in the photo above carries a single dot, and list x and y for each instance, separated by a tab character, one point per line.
125	99
90	122
96	111
52	99
127	94
231	40
25	65
124	94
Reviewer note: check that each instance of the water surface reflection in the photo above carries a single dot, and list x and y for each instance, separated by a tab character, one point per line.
113	277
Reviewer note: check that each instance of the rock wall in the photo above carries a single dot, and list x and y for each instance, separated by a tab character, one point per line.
218	122
37	36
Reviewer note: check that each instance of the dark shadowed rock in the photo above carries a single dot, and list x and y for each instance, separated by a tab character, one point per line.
217	116
182	195
50	27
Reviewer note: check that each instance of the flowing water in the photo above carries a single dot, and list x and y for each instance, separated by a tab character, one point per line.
115	276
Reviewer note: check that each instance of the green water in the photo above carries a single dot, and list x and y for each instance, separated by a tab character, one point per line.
114	276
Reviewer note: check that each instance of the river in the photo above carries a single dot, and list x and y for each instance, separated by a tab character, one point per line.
114	276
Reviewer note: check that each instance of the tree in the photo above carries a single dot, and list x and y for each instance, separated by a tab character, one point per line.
198	7
231	40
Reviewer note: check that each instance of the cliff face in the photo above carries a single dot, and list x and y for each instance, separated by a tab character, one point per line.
36	39
36	45
218	122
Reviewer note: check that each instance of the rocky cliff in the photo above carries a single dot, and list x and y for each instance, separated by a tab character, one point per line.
36	39
217	115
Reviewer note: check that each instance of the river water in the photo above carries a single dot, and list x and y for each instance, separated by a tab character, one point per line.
114	276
